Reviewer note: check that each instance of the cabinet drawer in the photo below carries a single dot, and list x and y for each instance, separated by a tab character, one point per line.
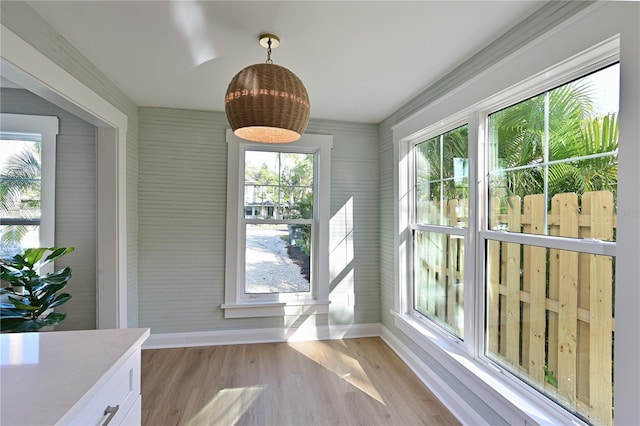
134	417
120	391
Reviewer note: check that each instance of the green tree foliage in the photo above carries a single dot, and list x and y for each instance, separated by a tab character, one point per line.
20	187
306	210
440	163
562	121
286	184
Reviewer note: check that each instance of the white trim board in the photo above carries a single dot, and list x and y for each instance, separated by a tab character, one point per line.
263	335
458	406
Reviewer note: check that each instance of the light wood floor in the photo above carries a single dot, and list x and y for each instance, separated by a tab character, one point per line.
336	382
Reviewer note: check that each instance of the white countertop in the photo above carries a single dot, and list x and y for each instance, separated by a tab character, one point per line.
44	376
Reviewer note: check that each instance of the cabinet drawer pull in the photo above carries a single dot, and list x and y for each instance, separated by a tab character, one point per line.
111	411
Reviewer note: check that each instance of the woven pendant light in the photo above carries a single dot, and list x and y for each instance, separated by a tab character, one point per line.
266	102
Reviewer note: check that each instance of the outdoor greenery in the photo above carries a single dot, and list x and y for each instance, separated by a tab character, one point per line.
287	184
563	122
20	191
581	149
30	296
561	144
305	207
442	166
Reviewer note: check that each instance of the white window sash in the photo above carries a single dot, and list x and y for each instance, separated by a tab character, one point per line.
582	245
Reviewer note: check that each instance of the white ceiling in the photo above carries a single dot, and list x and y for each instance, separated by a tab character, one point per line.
359	61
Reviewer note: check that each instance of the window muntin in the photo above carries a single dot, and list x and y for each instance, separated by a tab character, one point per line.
549	310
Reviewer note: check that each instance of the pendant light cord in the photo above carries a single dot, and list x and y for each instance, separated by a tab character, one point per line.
269	61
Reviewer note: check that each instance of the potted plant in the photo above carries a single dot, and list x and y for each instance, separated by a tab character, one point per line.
28	301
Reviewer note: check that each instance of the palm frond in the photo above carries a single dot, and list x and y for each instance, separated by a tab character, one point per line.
20	181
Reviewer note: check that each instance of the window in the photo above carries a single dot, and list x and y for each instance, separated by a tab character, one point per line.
440	210
27	182
277	227
518	270
553	173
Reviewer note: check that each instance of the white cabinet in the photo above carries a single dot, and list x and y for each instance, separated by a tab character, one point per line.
114	399
134	417
73	377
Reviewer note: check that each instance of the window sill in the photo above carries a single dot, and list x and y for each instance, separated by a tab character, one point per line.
274	309
508	396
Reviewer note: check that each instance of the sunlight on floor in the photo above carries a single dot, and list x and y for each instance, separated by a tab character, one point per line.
228	406
339	363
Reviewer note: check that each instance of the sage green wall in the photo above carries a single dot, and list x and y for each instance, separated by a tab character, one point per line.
20	18
544	19
182	187
75	201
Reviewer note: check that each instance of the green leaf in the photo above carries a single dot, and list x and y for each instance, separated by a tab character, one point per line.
57	277
57	253
12	275
28	326
33	255
549	377
11	324
18	261
19	304
9	311
60	299
54	318
52	287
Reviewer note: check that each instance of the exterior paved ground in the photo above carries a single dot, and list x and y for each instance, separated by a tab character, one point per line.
269	268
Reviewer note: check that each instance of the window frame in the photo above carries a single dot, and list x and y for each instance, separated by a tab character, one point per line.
238	304
244	296
47	127
466	359
412	143
485	235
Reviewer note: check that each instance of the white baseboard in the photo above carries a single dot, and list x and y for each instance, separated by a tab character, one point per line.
458	407
265	335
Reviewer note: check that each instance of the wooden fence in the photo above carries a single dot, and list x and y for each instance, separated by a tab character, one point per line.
550	312
440	294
